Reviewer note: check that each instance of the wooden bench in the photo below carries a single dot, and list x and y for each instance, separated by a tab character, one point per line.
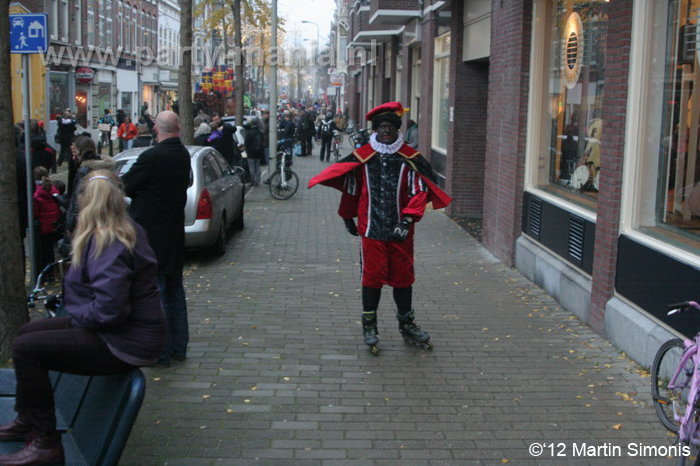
95	414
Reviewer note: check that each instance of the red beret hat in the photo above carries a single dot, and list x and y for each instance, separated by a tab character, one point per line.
388	107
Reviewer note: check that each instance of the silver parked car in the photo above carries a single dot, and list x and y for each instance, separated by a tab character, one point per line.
215	197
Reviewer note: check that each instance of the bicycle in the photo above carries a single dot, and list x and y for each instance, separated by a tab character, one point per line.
283	182
105	140
52	302
674	389
335	145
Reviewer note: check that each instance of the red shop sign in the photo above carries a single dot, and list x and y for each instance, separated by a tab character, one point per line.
84	75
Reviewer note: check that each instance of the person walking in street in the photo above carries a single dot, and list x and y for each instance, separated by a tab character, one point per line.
325	132
266	137
65	135
254	148
121	116
386	185
105	135
288	130
115	321
412	135
127	132
157	184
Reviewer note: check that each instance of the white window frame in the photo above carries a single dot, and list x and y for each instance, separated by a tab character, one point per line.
90	23
65	21
78	22
415	85
109	26
54	19
439	60
537	86
635	132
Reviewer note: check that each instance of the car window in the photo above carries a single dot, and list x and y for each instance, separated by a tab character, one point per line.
123	166
223	164
210	168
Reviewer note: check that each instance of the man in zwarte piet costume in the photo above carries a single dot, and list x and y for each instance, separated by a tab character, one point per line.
386	185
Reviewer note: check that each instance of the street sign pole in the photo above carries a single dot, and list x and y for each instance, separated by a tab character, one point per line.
28	35
272	149
33	272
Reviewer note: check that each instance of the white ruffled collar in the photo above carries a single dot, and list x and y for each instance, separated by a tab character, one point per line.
386	148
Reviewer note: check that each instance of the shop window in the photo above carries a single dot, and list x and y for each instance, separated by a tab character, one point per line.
58	93
441	86
667	202
571	84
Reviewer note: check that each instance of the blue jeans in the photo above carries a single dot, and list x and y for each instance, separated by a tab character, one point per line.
172	294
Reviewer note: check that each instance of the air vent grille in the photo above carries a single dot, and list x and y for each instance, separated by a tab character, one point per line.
535	218
576	234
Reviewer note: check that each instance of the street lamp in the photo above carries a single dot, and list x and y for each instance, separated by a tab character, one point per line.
315	56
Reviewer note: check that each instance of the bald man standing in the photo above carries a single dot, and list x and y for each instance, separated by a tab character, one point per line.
157	185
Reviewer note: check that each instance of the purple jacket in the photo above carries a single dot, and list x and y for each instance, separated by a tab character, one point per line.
116	296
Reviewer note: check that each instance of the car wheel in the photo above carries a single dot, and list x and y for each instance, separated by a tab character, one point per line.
219	246
239	222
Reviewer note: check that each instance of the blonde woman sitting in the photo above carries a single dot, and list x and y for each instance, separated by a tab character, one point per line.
115	324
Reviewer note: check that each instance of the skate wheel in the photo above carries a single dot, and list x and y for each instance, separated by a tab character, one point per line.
374	350
428	346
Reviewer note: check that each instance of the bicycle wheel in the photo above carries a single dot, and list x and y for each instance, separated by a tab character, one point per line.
286	191
669	402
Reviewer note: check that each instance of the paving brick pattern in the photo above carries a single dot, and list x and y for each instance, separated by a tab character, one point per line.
277	373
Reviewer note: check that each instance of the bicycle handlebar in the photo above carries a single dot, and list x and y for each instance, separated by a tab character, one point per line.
681	307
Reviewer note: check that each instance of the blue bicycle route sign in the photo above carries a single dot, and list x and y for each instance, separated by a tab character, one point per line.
29	33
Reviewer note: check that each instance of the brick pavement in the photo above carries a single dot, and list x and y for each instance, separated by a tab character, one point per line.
277	373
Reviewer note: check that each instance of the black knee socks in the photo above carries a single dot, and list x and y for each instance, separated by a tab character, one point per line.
403	297
370	298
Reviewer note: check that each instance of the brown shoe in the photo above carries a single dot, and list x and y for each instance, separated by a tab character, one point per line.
19	429
42	450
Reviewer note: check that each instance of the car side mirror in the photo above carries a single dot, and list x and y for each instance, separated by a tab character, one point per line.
238	171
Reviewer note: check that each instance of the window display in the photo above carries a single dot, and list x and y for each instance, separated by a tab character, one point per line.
573	82
667	204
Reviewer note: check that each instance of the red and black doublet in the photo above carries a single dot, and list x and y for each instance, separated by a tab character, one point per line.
380	190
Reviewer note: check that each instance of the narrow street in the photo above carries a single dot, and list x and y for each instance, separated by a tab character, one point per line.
277	372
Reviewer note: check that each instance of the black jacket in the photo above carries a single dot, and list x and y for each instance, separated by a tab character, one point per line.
254	144
66	131
157	184
143	141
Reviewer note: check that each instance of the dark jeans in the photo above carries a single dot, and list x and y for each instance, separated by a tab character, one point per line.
326	146
46	255
65	154
172	294
53	344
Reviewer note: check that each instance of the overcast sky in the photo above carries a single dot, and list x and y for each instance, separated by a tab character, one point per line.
318	11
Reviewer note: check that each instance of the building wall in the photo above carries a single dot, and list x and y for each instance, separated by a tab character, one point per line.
467	132
612	158
506	127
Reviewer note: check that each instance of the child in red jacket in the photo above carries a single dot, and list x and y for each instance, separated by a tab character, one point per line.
47	210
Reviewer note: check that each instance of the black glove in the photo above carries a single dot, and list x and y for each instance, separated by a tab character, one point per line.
351	227
401	230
